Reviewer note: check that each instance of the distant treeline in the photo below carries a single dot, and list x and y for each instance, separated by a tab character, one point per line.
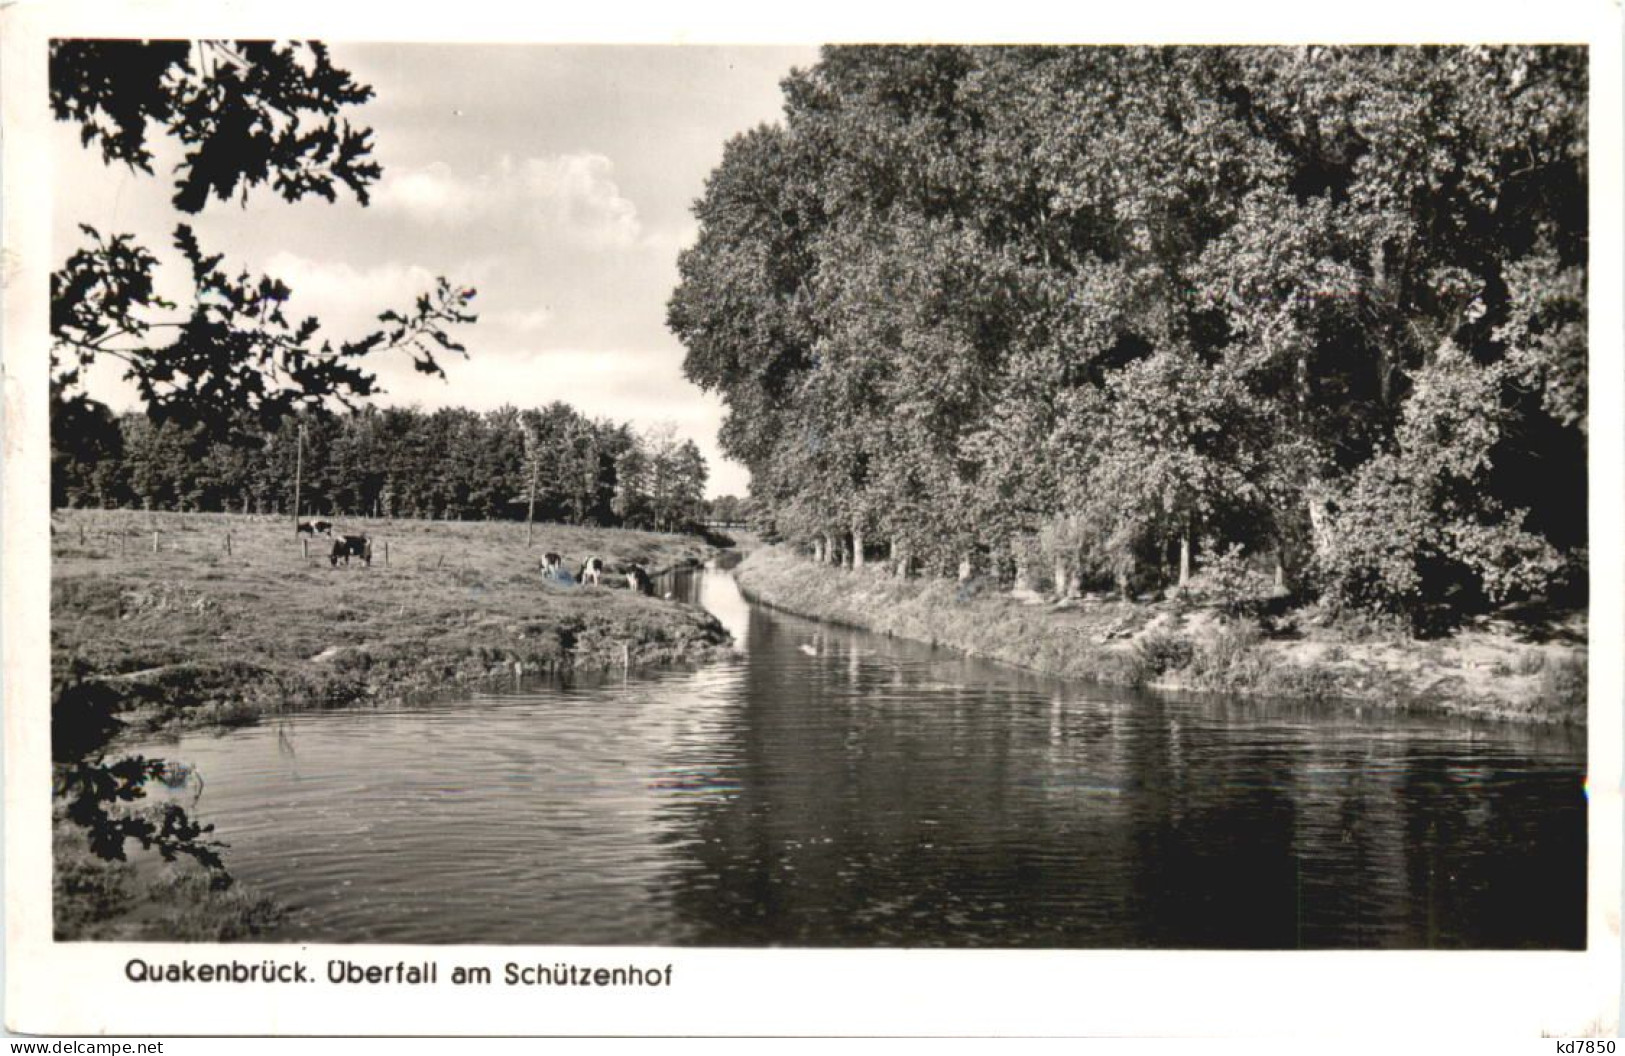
1115	315
390	462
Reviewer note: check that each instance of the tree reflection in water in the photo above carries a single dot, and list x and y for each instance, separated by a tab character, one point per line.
891	796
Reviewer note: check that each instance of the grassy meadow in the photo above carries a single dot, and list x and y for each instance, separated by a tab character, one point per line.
194	633
1495	669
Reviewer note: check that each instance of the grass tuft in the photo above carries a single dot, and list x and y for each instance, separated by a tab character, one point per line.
1312	654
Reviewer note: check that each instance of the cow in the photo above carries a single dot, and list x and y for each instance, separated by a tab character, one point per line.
592	571
348	546
639	580
552	565
315	528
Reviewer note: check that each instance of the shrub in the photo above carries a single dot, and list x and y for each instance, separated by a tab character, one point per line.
225	713
1304	681
1530	662
1230	658
1124	667
1230	581
1563	680
1163	650
1381	536
1416	534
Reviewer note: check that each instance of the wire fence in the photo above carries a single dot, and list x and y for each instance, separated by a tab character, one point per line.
133	533
395	542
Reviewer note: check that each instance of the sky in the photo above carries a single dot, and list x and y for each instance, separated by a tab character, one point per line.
556	180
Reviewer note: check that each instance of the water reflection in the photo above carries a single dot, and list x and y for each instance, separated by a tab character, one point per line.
835	788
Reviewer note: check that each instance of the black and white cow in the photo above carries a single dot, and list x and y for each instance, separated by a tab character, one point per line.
348	546
552	565
315	528
639	580
592	571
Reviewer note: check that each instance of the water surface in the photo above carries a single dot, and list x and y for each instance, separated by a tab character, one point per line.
831	787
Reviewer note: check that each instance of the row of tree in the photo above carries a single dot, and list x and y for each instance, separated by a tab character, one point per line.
1112	312
552	464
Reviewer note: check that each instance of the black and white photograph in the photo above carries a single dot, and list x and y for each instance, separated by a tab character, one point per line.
609	503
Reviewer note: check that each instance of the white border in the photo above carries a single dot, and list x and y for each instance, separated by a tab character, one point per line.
80	988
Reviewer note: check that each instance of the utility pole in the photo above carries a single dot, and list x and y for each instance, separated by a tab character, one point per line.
533	452
298	474
530	510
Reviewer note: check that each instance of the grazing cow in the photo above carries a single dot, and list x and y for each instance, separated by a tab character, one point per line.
315	528
348	546
639	580
592	571
552	565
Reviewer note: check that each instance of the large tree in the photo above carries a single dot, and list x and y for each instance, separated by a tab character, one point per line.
1125	299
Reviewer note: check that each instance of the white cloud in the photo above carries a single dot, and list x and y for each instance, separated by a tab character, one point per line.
347	299
431	194
571	198
635	386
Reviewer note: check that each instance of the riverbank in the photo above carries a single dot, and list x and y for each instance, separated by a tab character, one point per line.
230	619
196	633
1495	669
147	900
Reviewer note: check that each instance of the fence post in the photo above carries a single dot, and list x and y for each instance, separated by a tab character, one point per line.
304	547
228	544
155	542
386	553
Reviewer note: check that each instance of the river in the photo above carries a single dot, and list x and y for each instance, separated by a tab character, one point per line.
831	787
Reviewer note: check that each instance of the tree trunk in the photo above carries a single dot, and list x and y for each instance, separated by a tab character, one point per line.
1184	559
1296	539
1318	513
818	551
901	561
1385	350
967	567
1023	582
830	553
1320	522
857	549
